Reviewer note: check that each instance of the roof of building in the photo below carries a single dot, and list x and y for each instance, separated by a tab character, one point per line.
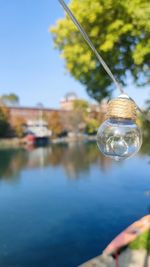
69	97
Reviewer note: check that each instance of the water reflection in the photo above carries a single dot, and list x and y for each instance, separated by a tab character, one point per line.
57	216
11	162
74	158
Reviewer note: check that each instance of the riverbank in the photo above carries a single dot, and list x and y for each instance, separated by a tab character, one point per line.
128	258
129	249
19	142
10	142
70	139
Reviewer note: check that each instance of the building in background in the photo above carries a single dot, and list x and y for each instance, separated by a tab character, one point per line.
66	103
30	113
43	121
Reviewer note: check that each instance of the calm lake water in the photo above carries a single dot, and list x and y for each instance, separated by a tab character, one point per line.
61	205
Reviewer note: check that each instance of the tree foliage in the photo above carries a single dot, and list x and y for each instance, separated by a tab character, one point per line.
120	30
74	120
145	124
55	123
92	126
10	99
4	121
78	115
18	126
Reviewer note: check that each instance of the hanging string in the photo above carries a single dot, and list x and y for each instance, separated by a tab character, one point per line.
100	59
146	117
87	39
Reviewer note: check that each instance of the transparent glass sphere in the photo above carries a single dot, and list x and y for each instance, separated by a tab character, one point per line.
119	138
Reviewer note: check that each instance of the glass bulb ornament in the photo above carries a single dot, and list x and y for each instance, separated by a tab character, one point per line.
119	137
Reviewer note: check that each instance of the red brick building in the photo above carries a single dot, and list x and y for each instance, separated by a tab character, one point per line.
30	113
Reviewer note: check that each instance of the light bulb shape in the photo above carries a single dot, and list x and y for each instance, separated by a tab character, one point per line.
119	138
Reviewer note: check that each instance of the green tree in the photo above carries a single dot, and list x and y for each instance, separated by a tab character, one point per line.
55	123
10	99
145	124
4	121
80	105
18	126
79	115
92	126
120	30
74	120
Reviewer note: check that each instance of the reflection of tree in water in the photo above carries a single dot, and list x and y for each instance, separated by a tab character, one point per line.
12	161
39	157
77	158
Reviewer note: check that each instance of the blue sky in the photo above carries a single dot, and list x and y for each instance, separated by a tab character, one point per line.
29	65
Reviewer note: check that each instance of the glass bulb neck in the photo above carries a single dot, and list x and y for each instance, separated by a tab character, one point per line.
121	121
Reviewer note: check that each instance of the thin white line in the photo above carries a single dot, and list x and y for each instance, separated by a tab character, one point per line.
87	39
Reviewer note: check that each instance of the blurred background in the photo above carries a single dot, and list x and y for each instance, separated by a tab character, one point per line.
61	200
